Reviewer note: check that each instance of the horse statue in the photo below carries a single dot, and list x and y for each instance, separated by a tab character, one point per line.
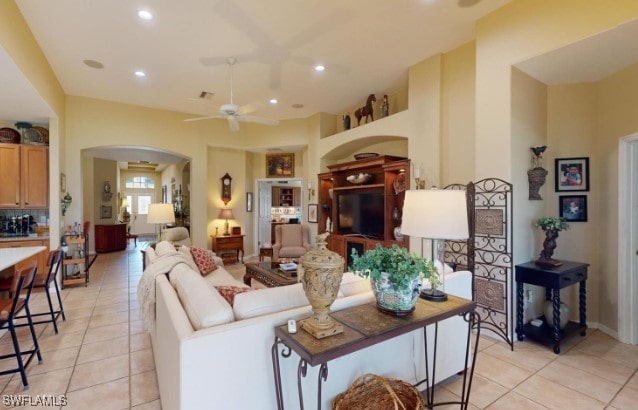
366	111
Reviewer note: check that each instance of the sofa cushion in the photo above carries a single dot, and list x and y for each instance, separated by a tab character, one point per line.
270	300
164	247
221	277
292	251
203	259
229	292
203	305
352	284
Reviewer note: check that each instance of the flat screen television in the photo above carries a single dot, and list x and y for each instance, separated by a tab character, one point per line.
360	213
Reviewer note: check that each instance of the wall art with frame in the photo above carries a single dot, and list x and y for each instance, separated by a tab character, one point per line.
249	201
312	213
280	165
571	174
573	208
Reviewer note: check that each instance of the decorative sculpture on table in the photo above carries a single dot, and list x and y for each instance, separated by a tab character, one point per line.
551	225
346	121
537	175
367	110
320	272
385	107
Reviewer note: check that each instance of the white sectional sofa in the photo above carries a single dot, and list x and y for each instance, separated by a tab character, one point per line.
220	357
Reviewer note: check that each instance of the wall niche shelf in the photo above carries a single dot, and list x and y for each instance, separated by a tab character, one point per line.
384	171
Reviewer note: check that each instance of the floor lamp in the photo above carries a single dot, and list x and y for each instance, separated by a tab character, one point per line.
160	214
437	215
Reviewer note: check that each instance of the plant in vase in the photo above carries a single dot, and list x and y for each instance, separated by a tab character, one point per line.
551	225
396	276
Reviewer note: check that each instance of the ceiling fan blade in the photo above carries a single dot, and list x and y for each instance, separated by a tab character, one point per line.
257	120
247	109
209	117
233	123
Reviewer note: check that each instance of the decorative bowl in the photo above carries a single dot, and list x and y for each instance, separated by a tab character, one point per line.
359	179
363	155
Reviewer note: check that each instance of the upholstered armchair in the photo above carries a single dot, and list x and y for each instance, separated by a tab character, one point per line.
291	241
177	236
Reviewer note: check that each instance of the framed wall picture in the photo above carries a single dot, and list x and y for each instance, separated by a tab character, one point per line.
280	165
573	207
312	213
249	201
236	230
571	174
106	212
62	182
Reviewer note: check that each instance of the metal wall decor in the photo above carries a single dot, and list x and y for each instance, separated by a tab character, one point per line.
488	253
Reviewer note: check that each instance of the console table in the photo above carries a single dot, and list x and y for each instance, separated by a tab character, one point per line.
364	326
553	279
233	243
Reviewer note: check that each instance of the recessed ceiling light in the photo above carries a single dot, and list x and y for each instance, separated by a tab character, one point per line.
93	64
145	15
297	105
319	67
140	73
273	101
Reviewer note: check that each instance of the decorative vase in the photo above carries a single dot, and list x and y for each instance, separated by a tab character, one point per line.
536	178
549	314
549	244
399	301
320	271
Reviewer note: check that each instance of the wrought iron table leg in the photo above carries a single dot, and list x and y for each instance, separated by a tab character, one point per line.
582	307
302	369
323	376
285	352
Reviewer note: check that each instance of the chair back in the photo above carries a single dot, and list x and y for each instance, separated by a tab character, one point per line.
53	262
289	235
28	274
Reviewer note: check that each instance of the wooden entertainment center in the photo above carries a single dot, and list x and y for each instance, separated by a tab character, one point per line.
389	178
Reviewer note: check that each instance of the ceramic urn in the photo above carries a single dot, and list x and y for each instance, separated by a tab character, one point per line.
320	271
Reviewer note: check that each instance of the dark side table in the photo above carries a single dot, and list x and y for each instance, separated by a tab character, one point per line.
553	280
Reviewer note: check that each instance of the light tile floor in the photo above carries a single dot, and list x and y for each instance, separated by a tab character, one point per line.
102	358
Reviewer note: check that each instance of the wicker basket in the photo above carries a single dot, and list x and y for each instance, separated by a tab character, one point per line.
370	392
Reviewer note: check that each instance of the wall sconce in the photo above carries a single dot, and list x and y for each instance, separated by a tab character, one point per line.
420	184
311	190
65	203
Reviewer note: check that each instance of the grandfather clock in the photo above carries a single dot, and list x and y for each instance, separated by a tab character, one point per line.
226	180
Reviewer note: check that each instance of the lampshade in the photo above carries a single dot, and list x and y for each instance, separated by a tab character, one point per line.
226	213
160	214
124	203
435	214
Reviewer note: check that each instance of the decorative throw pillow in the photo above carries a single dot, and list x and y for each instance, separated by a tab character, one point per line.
203	259
229	292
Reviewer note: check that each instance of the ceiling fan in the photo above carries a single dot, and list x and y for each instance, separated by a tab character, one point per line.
233	112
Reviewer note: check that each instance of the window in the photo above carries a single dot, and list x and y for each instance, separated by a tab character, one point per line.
143	201
140	182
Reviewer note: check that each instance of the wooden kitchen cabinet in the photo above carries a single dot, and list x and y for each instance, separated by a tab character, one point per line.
24	181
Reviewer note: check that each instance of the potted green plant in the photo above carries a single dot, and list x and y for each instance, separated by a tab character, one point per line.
551	225
396	275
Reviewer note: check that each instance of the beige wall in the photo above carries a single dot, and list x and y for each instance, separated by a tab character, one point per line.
104	170
529	129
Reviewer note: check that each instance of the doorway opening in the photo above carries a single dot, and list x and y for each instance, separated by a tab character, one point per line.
278	200
628	239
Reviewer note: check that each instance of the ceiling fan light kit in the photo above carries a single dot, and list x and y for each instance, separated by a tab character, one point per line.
232	112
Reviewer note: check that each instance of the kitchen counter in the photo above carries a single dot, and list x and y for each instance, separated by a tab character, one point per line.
10	256
23	238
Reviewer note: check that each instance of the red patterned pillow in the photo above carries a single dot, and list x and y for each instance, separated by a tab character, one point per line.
203	259
229	292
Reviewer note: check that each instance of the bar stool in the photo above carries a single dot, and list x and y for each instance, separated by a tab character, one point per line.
44	281
22	279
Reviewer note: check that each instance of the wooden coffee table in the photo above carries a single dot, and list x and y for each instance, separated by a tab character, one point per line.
269	274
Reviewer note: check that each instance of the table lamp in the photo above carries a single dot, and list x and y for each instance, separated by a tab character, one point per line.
160	214
126	216
226	214
438	215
